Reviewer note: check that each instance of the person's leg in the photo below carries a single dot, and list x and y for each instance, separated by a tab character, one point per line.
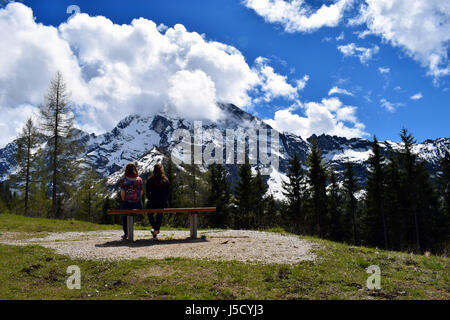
151	218
159	217
124	225
123	206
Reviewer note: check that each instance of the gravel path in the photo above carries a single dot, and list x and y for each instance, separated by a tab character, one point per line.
242	245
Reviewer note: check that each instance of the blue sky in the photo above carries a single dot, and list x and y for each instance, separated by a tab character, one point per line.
374	93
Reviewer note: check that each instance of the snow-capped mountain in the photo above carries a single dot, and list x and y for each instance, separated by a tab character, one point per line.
147	139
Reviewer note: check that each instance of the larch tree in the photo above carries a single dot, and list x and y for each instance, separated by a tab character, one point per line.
27	141
57	122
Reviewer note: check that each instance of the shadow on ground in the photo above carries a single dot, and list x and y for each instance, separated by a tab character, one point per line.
147	242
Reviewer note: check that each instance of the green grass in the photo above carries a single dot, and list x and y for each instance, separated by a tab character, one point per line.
33	272
17	223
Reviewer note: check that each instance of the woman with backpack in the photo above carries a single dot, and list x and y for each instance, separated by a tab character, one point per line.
157	192
131	190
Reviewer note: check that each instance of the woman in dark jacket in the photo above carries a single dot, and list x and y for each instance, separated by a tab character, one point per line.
157	192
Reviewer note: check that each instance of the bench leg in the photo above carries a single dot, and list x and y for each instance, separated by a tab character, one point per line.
193	223
130	221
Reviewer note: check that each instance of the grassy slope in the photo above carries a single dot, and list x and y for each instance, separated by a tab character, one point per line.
33	272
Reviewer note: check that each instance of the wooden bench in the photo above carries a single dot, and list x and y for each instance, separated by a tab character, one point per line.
193	217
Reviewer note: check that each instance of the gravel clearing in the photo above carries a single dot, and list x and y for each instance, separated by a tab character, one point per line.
241	245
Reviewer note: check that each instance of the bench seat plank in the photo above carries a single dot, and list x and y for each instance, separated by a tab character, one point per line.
165	210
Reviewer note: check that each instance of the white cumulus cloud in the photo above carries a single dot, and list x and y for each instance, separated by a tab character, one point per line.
328	116
416	96
337	90
419	27
275	85
297	15
390	106
114	70
364	54
384	70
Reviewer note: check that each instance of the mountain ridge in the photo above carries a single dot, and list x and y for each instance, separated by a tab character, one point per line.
136	135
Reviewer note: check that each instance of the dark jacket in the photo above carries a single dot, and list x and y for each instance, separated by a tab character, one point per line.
157	194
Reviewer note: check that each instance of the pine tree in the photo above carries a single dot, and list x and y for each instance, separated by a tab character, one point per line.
293	191
441	223
259	188
444	183
271	218
393	209
196	186
409	190
5	197
317	179
243	194
350	188
89	196
375	219
334	208
26	142
40	201
177	193
173	183
428	214
219	195
63	146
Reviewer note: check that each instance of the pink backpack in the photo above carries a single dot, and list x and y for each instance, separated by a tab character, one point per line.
132	189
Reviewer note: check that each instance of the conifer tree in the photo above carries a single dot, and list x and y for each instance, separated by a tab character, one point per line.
317	188
350	188
89	197
409	190
63	146
173	183
441	223
26	142
5	197
271	218
375	219
259	188
293	190
176	192
444	183
334	208
393	210
219	195
243	194
40	201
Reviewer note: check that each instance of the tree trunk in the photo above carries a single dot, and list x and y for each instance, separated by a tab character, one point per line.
417	230
27	174
384	229
55	155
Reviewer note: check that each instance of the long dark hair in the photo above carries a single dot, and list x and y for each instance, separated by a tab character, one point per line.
158	176
131	171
